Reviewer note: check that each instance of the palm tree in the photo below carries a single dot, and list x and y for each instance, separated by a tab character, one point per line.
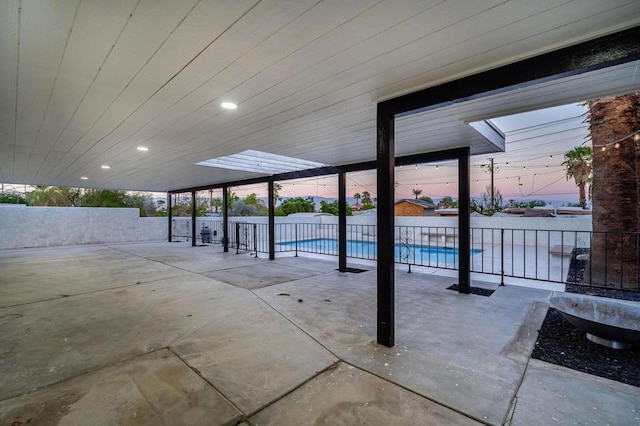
417	192
578	166
613	123
366	198
232	197
276	191
357	197
216	203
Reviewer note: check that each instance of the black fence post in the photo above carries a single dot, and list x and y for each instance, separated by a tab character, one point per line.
272	220
501	257
255	238
169	216
193	218
237	238
225	219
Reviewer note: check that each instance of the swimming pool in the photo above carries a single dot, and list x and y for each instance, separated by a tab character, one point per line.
412	253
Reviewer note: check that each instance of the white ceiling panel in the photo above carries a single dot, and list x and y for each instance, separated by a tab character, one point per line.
93	79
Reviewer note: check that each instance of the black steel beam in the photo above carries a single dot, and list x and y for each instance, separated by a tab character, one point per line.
425	157
342	222
272	221
193	218
464	223
385	264
169	215
225	219
588	56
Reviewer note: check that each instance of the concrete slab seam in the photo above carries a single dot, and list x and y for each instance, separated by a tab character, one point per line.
507	419
413	391
290	391
80	294
86	373
363	369
152	260
294	324
197	372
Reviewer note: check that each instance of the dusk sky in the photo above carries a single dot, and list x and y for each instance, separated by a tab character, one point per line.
531	168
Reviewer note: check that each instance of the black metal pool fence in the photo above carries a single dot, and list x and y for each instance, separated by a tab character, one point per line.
543	255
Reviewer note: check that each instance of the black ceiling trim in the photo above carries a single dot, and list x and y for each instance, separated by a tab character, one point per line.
606	51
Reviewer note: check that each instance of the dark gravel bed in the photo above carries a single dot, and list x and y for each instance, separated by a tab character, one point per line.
474	290
604	292
560	343
576	267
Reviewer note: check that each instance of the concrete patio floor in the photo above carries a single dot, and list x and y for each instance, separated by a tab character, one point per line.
166	333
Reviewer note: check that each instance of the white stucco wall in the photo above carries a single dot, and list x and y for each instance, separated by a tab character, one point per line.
22	227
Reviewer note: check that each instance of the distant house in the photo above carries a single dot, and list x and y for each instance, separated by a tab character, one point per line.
451	211
411	207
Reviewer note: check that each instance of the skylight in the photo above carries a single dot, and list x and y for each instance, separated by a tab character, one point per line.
260	162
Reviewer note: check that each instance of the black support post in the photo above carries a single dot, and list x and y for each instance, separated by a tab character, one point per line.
169	215
193	218
464	224
385	162
225	219
272	221
342	222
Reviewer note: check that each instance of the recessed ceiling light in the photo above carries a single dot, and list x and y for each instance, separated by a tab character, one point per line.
84	177
228	105
142	149
104	166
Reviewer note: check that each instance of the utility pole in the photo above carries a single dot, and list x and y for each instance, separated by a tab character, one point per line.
492	190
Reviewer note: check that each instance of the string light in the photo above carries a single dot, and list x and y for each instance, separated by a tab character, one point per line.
616	144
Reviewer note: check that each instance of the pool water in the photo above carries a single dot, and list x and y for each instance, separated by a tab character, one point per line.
411	253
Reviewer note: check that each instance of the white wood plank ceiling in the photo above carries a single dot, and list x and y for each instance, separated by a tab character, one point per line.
84	82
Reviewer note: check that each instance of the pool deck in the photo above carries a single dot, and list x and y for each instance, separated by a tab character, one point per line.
167	333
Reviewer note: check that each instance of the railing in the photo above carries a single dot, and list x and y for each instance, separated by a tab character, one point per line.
181	229
542	255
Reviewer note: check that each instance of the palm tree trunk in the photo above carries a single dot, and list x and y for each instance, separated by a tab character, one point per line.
615	191
583	197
